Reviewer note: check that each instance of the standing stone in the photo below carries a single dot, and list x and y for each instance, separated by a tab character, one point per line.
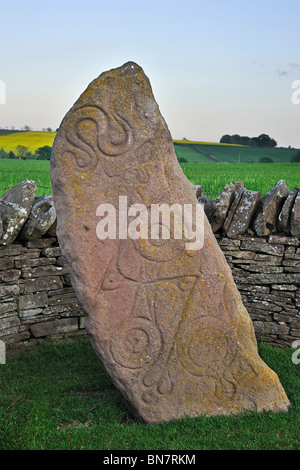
272	202
284	218
167	322
223	203
242	217
295	217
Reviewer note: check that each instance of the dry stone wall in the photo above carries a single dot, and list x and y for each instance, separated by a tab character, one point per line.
37	300
267	274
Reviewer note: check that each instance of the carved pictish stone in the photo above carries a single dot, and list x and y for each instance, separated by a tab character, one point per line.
168	323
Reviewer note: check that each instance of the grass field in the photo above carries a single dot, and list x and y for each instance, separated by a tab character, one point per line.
13	171
257	177
59	397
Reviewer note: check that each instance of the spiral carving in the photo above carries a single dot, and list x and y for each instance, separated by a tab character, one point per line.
136	343
205	345
91	131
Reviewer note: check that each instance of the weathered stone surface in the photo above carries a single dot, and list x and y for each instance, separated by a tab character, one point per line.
54	327
33	301
42	284
15	207
14	250
199	190
10	275
7	307
238	185
229	244
283	278
26	262
7	291
41	243
290	241
41	271
223	203
295	217
41	218
167	322
242	217
8	322
284	287
272	202
285	214
13	218
52	230
6	263
238	195
209	206
261	246
51	252
21	194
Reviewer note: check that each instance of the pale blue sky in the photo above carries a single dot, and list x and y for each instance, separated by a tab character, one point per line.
216	67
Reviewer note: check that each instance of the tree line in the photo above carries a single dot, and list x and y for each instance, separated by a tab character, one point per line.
263	140
23	153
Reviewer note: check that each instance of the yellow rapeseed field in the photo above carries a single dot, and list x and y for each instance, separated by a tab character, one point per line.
31	139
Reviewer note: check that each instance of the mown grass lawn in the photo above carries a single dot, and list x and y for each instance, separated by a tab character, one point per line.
58	397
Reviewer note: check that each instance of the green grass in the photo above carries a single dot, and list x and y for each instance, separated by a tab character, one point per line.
13	171
257	177
58	397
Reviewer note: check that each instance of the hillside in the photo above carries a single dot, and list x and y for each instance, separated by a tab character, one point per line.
191	151
207	152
